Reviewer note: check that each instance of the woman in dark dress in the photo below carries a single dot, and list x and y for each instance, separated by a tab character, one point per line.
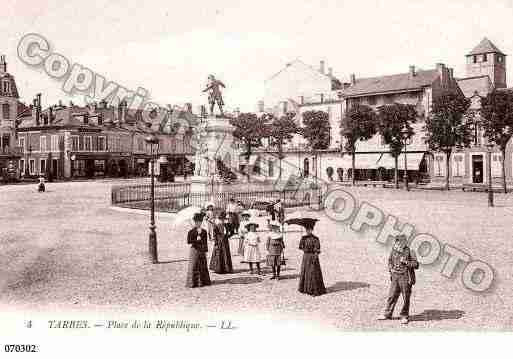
311	281
221	261
197	274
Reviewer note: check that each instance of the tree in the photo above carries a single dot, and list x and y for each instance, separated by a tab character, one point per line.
392	120
497	122
358	124
249	130
448	125
281	130
316	130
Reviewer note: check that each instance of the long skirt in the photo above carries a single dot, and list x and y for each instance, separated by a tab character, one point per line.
241	246
221	261
197	273
311	281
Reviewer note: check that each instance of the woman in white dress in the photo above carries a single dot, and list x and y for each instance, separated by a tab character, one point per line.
252	247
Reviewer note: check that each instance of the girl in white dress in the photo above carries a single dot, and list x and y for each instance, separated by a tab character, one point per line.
252	247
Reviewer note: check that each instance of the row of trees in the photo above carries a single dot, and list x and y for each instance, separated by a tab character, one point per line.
448	126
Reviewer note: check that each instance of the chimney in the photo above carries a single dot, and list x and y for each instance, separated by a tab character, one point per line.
50	114
443	73
85	118
3	65
236	113
260	106
188	107
100	119
122	107
353	79
330	71
451	73
321	67
412	70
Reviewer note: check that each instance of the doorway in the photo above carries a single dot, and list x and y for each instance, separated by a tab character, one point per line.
54	168
477	168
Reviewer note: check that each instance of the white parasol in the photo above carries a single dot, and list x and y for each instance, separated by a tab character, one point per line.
184	217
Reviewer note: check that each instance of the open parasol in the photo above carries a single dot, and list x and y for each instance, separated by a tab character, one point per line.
303	221
184	217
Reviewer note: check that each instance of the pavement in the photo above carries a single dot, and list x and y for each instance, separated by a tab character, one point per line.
67	249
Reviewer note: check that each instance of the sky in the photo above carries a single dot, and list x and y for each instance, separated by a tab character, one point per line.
170	47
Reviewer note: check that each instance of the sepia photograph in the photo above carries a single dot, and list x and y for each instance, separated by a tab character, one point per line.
254	178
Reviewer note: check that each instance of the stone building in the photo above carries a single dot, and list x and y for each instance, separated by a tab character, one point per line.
9	107
99	140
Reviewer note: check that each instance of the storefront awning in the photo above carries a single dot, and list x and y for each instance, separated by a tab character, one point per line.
412	161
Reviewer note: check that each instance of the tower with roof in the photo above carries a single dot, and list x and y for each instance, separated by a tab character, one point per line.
487	59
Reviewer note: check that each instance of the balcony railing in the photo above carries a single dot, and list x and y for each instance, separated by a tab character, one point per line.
11	151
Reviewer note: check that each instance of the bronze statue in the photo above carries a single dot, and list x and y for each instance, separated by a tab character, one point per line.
214	94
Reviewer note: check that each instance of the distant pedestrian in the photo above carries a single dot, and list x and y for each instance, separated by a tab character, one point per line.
232	211
41	186
221	261
197	274
209	220
402	264
310	281
252	247
279	211
275	247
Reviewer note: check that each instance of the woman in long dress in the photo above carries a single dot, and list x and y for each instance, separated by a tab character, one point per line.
209	220
221	261
311	281
252	248
197	273
243	233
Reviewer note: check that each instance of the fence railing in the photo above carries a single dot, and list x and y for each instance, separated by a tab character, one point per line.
173	197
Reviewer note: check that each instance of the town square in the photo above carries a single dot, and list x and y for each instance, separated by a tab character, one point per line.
255	173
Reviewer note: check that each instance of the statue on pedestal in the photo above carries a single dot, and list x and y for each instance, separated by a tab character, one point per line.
214	94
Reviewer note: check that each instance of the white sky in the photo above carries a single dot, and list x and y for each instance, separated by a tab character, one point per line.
169	47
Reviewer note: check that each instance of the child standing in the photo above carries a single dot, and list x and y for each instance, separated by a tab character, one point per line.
252	247
275	247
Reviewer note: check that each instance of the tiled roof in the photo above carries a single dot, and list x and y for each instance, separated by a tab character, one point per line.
391	83
335	82
485	46
470	85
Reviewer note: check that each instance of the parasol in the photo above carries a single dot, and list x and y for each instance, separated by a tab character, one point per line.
303	222
184	217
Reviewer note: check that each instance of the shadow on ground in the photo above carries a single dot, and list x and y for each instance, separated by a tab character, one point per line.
434	314
238	280
342	286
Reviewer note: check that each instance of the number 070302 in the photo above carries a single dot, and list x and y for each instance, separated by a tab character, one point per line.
20	348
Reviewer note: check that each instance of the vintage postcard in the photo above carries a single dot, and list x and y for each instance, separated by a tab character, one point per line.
277	178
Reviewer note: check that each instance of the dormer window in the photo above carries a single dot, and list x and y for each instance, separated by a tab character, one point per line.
500	58
6	86
485	57
475	59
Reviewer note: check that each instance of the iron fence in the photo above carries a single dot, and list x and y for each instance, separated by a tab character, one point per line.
173	197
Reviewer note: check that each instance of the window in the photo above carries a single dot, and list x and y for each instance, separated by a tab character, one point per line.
32	166
55	143
458	166
42	167
101	143
439	165
21	142
22	166
496	165
474	59
140	144
6	86
74	143
81	143
485	57
271	168
6	113
372	100
88	143
42	144
389	99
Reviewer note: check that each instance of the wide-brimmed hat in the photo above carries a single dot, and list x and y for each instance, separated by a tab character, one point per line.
209	204
251	224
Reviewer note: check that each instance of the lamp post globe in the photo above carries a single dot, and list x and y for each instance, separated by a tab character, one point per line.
153	141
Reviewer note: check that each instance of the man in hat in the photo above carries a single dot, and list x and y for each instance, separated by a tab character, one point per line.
232	210
402	264
221	260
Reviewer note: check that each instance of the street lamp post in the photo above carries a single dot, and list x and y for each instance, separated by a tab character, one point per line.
489	172
405	137
153	141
